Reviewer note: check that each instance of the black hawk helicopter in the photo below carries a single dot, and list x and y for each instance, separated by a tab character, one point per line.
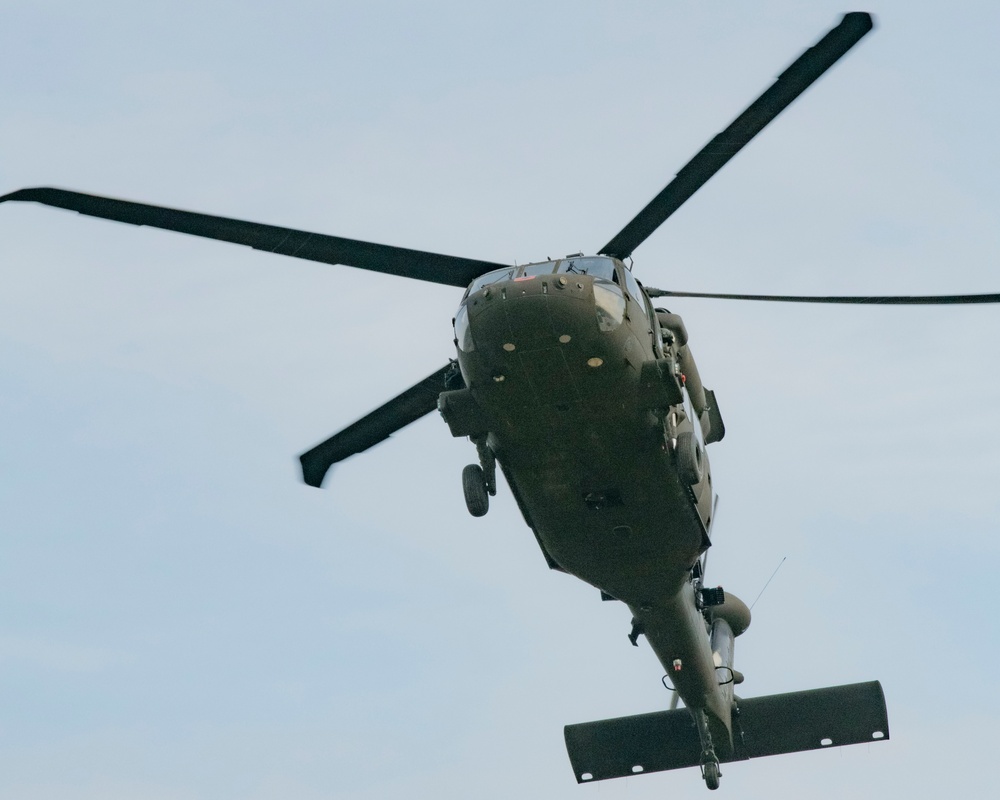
588	399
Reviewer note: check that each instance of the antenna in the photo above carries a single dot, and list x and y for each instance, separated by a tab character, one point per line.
768	582
711	523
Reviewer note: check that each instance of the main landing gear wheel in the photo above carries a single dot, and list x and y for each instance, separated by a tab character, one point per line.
690	458
477	499
710	772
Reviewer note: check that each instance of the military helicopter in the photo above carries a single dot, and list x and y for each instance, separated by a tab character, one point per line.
588	399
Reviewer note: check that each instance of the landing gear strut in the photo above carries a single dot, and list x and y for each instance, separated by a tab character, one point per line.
479	481
709	760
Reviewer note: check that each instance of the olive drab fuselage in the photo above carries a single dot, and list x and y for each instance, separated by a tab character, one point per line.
576	390
589	401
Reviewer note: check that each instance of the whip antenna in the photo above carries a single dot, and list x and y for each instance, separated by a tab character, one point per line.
768	582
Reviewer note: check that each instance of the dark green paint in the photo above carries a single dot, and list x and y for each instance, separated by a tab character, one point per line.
589	401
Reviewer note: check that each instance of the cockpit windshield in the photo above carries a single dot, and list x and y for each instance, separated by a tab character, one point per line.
532	270
596	266
505	274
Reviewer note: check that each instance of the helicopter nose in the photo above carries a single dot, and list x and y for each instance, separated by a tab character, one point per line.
529	314
539	344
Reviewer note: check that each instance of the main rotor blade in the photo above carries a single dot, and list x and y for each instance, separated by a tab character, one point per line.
433	267
789	85
874	300
380	424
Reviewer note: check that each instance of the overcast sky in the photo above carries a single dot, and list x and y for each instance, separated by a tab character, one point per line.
180	617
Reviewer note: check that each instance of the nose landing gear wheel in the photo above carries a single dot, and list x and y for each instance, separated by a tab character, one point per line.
477	499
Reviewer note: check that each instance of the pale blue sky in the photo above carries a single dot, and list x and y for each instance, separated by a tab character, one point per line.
181	618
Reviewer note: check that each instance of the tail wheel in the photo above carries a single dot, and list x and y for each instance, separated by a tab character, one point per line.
477	499
690	458
711	773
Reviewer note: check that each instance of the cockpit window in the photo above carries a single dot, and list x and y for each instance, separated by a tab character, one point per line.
532	270
492	277
597	267
634	290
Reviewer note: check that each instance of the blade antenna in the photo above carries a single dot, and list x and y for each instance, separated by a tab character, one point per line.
802	73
